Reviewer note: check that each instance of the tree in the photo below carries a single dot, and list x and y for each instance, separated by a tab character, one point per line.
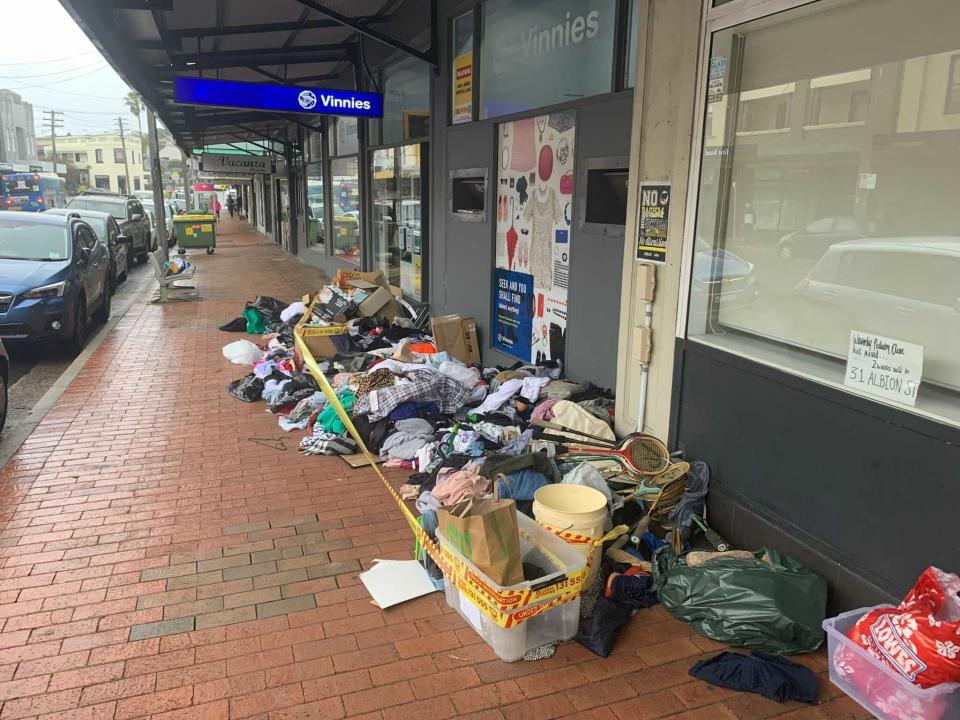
135	106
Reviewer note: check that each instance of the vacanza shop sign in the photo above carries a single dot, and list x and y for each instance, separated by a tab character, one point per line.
279	98
246	164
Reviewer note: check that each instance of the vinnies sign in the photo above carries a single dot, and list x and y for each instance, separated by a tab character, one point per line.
279	98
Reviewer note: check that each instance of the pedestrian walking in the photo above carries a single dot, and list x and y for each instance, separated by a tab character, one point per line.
239	207
231	205
217	206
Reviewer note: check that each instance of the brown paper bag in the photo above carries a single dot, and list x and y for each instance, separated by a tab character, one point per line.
485	532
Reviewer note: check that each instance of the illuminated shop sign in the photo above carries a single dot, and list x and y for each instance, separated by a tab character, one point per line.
279	98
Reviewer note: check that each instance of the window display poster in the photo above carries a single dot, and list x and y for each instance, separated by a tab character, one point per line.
463	88
888	368
534	201
513	312
654	219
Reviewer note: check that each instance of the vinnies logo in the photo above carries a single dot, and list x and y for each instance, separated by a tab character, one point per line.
307	100
570	32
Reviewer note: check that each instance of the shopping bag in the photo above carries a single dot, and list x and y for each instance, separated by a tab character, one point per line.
485	532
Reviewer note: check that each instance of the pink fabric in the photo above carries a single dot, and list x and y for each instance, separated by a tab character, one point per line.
522	158
465	484
544	411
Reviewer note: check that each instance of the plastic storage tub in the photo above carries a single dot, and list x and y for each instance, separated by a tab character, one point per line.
879	689
554	625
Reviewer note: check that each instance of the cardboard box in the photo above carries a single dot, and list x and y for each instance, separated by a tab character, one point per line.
381	302
318	339
457	336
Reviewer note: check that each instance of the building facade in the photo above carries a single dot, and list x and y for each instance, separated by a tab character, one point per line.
99	160
17	134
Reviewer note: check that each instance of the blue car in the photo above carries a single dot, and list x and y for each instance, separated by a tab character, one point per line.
53	275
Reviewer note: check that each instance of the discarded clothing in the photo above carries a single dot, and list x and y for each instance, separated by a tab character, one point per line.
461	373
587	475
574	417
508	464
329	444
600	407
256	325
426	386
544	411
374	380
410	436
413	409
236	325
773	676
466	484
330	421
427	502
561	390
520	485
692	503
528	387
598	632
519	444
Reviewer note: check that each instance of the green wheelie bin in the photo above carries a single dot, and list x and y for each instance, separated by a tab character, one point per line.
195	231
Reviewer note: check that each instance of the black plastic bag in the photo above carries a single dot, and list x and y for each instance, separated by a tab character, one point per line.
774	604
236	325
269	307
599	631
248	389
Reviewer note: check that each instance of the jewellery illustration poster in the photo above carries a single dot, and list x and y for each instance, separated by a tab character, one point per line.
534	196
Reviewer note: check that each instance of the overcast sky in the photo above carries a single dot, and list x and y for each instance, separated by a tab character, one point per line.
48	60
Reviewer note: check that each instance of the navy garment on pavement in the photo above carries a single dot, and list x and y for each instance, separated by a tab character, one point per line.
773	676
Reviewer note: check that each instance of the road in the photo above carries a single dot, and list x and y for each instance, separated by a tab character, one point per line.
33	372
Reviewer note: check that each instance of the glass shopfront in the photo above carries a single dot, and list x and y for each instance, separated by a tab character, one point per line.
345	191
828	215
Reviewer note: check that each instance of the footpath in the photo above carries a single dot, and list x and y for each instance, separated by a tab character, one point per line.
162	555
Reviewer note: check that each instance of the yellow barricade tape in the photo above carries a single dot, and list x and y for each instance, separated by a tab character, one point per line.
506	609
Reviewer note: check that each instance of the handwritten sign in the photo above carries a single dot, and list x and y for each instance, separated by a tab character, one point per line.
884	367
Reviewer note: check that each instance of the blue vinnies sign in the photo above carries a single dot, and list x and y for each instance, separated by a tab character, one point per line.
279	98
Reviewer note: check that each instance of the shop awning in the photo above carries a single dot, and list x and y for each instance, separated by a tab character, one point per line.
284	42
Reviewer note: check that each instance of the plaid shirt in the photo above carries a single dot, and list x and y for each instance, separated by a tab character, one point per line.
422	386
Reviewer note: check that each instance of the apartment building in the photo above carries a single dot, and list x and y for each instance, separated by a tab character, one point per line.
17	137
100	158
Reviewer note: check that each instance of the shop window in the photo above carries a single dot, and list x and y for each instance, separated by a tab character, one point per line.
344	135
953	86
314	146
542	52
316	218
397	213
345	191
848	224
633	37
461	70
406	103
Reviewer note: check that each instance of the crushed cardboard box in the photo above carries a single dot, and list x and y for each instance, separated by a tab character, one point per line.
457	336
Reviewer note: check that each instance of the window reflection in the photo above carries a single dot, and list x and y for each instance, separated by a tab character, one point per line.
397	211
345	190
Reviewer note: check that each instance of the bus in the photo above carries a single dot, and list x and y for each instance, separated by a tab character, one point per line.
31	192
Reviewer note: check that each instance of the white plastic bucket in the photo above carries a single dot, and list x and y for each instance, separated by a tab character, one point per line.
574	510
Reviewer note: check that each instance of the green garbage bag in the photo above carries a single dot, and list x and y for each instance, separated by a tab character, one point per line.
774	604
255	323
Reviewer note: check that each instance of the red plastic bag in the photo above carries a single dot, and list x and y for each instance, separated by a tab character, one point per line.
920	638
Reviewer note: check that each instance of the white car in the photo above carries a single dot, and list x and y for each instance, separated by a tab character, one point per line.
907	288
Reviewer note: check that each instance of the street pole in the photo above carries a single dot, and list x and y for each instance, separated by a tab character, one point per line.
156	179
184	172
123	145
54	120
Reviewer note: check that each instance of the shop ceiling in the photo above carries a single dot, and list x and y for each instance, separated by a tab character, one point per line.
286	42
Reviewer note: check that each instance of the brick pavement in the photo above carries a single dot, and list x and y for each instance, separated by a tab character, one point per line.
161	558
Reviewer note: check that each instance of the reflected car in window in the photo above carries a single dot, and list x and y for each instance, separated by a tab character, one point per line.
813	241
905	288
724	275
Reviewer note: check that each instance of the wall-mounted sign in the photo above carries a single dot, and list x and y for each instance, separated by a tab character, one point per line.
654	219
279	98
203	187
463	88
717	76
888	368
247	164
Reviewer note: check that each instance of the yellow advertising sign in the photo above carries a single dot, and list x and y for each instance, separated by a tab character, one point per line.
463	88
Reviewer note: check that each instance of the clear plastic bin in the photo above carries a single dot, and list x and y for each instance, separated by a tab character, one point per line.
879	689
555	625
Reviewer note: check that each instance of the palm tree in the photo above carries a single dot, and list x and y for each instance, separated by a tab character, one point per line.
135	106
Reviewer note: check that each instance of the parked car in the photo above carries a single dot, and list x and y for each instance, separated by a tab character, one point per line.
129	214
904	288
108	232
4	381
53	275
168	233
814	240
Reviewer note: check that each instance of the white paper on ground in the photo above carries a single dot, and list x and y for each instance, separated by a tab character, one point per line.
391	582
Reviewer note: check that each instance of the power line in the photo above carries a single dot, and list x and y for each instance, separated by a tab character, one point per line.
54	121
57	82
58	72
49	62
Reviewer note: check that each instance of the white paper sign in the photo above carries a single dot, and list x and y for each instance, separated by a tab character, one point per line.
884	367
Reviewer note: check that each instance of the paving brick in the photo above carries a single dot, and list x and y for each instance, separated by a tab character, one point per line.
86	676
249	571
169	571
173	597
198	607
189	581
231	561
276	554
108	692
342	683
226	617
378	698
333	568
245	528
280	578
227	688
164	627
154	703
281	607
266	700
208	711
224	588
330	709
253	597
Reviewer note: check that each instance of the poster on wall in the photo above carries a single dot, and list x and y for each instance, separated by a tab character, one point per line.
534	212
654	220
463	88
884	367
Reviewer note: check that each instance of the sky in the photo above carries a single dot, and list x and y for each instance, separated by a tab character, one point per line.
46	58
